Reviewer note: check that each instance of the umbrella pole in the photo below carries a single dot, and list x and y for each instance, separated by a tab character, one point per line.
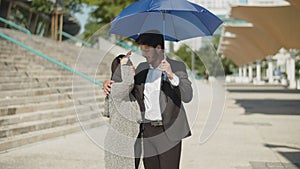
164	26
164	30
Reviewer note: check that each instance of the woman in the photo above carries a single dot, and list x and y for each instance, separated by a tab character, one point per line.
124	117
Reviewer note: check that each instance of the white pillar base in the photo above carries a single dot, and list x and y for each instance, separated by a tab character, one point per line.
292	84
298	84
258	82
284	82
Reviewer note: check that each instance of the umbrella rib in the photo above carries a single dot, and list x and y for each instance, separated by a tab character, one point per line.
175	33
142	25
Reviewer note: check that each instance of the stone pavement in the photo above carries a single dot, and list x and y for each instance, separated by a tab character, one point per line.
260	129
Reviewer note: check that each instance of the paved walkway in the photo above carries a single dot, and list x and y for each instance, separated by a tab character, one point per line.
260	129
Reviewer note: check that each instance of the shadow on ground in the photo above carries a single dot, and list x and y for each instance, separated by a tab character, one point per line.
263	91
270	106
293	156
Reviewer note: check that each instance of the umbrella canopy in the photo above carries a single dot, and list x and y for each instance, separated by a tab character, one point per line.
175	19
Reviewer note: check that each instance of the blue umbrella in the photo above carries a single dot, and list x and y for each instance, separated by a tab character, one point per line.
176	19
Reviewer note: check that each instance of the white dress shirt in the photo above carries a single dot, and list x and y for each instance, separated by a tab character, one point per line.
152	92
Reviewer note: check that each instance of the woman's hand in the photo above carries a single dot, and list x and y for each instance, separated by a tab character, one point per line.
126	58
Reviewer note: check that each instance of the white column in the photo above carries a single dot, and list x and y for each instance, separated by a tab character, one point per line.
250	75
240	77
270	70
258	71
240	72
245	79
244	71
291	72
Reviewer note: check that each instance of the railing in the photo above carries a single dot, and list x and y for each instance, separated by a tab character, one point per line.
124	45
51	60
21	28
76	39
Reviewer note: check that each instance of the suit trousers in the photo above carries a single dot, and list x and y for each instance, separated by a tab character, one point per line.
158	151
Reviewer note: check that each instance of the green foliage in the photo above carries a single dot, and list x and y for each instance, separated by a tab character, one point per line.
185	54
90	29
228	65
104	12
210	60
297	68
74	6
206	60
43	6
47	6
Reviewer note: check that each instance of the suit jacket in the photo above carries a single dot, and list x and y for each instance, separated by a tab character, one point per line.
174	117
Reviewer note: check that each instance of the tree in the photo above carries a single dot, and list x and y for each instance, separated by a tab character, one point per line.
228	65
42	6
47	6
206	59
104	12
186	55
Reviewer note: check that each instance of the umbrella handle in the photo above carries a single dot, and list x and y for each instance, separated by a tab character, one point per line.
165	76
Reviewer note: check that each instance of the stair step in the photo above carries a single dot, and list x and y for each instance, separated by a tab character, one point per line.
25	79
44	92
13	74
32	107
18	109
33	92
32	137
33	99
17	79
13	86
26	127
45	114
32	85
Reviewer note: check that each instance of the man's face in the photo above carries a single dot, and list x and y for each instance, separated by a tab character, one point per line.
150	53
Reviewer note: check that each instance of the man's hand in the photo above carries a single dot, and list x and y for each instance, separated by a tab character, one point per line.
166	68
106	86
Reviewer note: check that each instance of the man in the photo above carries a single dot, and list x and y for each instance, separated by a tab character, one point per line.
161	85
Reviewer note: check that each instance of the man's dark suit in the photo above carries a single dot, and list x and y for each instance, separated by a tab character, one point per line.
175	123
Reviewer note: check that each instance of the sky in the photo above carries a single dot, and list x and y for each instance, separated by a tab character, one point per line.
83	17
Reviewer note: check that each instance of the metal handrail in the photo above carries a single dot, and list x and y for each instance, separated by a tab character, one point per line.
124	45
52	60
76	39
21	28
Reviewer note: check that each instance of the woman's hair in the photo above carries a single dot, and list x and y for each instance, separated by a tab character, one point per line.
116	69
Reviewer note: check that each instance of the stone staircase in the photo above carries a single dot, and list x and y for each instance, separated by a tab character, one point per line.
40	100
